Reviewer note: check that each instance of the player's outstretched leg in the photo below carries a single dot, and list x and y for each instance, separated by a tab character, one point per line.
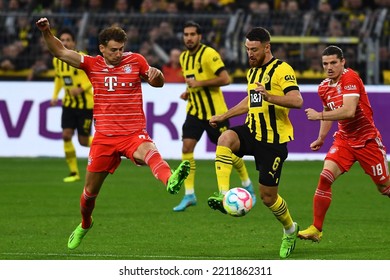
311	233
187	201
288	243
178	176
216	202
77	236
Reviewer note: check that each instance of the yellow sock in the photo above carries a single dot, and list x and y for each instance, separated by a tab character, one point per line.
280	210
239	165
223	167
90	141
70	156
189	183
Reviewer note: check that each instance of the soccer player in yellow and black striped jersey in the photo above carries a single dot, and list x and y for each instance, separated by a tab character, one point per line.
272	92
205	73
77	105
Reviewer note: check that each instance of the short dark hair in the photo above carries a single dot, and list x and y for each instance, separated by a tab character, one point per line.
112	33
259	34
66	31
192	23
333	50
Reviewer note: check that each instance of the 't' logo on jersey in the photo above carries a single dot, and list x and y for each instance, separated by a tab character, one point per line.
112	81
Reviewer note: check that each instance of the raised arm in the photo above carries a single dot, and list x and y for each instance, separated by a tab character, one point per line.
55	46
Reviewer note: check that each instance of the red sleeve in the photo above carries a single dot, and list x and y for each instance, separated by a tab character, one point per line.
144	65
86	63
351	83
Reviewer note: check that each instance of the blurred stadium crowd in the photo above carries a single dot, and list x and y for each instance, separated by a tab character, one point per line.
300	29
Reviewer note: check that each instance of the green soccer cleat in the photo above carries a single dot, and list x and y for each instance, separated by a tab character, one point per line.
187	201
77	236
178	176
216	202
73	177
288	243
311	233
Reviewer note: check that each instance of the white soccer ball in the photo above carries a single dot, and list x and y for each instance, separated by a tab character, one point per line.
237	202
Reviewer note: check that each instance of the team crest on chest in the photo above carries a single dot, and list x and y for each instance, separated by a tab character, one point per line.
127	68
266	78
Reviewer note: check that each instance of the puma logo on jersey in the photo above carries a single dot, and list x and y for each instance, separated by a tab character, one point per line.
272	174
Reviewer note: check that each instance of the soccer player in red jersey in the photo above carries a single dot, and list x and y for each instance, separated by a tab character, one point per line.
118	115
357	139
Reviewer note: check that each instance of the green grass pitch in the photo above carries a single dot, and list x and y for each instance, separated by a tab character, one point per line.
134	218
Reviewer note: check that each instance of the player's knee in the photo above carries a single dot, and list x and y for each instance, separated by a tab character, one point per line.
222	140
227	138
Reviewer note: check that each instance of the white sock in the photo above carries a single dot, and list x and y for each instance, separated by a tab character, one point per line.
290	230
246	183
191	191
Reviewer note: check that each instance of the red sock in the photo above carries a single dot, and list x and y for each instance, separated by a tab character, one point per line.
87	204
159	167
322	198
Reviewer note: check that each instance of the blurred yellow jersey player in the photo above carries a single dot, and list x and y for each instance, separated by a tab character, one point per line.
77	105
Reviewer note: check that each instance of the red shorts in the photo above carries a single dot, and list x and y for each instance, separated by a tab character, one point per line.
372	158
106	151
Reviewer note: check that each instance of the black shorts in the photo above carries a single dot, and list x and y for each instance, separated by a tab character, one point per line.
269	158
193	128
77	119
